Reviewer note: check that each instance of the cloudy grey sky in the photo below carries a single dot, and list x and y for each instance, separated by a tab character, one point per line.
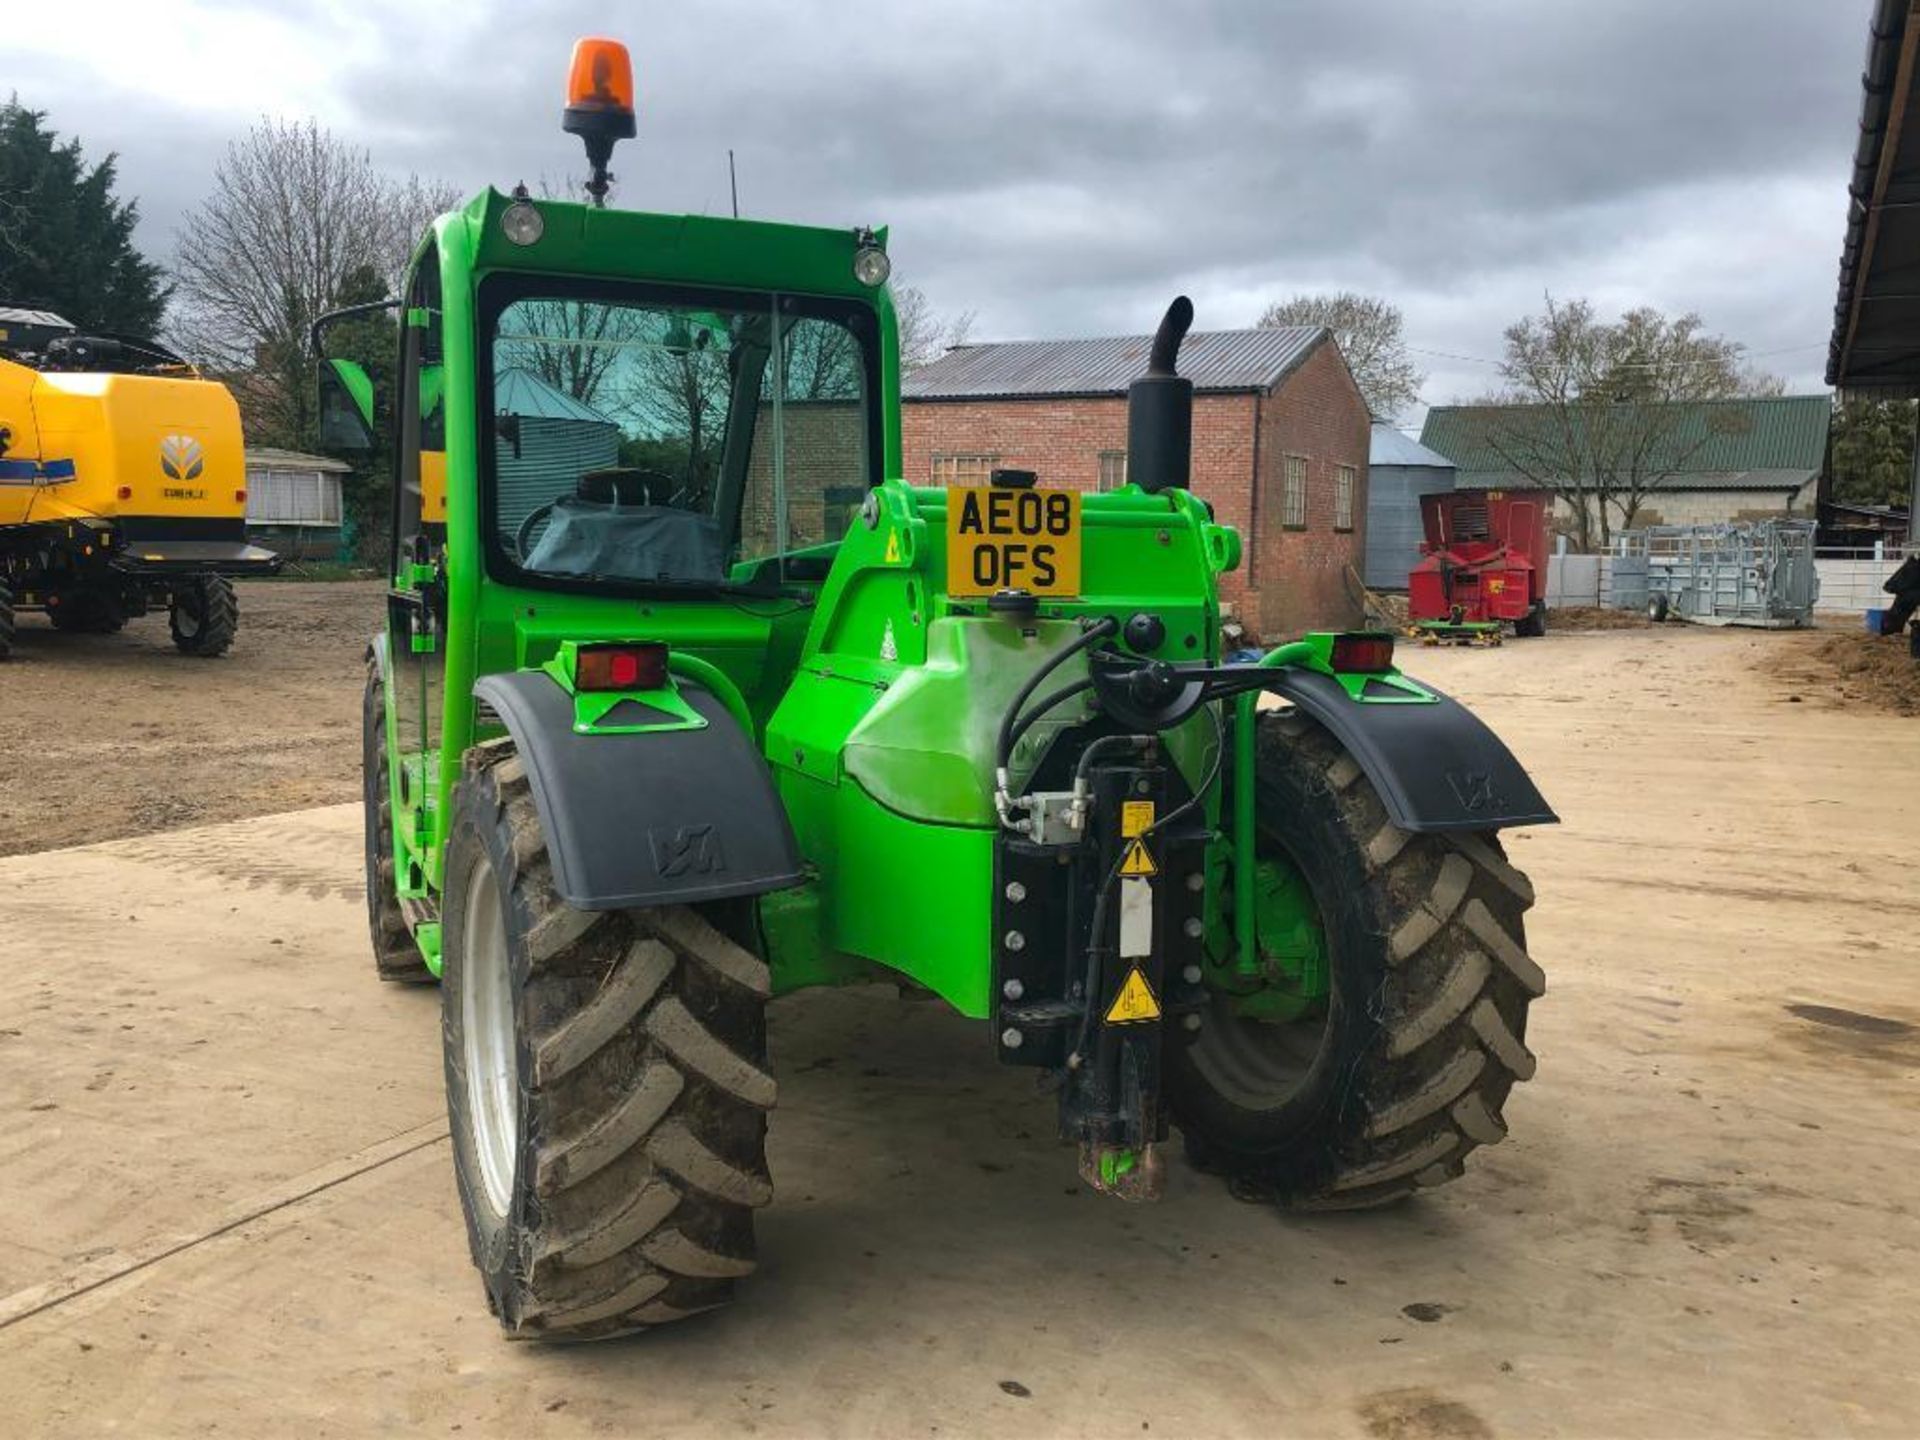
1062	167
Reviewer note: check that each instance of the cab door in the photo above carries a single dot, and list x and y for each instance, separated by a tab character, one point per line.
417	597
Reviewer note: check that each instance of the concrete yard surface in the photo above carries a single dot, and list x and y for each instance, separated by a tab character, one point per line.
228	1205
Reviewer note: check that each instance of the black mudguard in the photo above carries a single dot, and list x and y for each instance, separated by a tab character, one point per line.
661	818
1437	767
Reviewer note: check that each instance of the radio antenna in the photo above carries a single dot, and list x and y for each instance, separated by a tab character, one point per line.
733	183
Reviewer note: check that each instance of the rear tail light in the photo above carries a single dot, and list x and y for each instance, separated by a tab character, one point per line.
239	497
1362	653
125	492
620	667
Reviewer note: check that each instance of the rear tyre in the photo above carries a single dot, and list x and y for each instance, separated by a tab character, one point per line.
1406	1068
88	612
1533	624
205	616
606	1084
1657	607
395	956
6	622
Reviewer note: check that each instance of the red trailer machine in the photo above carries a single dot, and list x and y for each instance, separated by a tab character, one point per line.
1483	564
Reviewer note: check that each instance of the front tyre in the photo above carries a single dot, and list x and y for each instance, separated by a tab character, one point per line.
606	1084
205	616
1405	1068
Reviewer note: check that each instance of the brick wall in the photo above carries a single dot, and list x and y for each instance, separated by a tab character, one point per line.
825	481
1317	413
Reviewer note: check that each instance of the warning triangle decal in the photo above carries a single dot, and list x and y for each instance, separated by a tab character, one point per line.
1135	1001
893	547
1137	860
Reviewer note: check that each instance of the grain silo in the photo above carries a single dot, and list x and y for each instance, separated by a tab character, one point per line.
1399	471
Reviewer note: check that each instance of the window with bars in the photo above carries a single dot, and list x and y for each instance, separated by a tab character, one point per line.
1293	493
1343	498
1113	469
963	469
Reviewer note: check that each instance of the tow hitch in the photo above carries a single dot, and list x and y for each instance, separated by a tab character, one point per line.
1091	973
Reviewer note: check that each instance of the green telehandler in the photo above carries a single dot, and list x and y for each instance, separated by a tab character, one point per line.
686	699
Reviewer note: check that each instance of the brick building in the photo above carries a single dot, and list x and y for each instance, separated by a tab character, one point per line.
1280	437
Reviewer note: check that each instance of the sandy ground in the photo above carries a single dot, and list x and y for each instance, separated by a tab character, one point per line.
110	735
226	1204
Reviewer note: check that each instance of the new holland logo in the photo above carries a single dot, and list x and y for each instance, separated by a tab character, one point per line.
181	457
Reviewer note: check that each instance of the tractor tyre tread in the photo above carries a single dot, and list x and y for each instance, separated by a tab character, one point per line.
1422	1063
6	622
395	957
644	1088
219	617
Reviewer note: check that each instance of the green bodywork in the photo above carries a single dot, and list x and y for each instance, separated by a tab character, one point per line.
873	695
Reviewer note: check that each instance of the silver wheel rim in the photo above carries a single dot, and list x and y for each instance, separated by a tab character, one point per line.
486	1020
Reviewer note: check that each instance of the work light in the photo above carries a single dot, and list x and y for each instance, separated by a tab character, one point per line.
522	222
871	266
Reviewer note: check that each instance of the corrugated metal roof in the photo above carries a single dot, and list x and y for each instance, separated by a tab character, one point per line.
1391	446
1217	360
521	392
267	457
1777	435
9	315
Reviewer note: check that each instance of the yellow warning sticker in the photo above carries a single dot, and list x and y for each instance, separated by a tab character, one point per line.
1135	1001
1136	818
893	547
1138	860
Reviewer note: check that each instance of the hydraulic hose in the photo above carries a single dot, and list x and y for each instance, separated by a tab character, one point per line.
1106	625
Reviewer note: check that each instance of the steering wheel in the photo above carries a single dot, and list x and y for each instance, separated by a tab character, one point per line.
524	535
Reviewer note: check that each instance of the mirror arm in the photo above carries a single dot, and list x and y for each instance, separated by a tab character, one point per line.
345	312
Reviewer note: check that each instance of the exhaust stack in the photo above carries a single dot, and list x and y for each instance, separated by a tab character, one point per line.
1160	410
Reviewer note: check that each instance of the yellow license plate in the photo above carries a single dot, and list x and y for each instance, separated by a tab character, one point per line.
1000	539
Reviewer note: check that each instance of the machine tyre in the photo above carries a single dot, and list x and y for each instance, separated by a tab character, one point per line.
1409	1066
6	622
1533	624
1657	608
630	1048
395	956
205	616
87	612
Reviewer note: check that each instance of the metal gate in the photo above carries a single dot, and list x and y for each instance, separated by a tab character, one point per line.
1755	573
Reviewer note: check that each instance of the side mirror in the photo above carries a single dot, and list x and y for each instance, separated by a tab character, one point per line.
346	406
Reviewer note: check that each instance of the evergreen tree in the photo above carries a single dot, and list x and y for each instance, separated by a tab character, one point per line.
1873	451
66	242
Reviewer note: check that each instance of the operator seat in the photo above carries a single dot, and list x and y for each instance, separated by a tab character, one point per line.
618	525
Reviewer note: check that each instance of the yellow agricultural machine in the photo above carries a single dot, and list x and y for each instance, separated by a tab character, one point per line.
123	486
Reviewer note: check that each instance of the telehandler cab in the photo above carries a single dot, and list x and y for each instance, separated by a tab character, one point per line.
687	699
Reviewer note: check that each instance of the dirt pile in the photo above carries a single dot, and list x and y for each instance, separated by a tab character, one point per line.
1856	669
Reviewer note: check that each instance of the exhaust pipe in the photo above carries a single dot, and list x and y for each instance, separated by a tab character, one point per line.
1160	411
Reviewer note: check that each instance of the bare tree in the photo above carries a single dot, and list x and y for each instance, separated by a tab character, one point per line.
294	216
1602	414
1369	333
925	335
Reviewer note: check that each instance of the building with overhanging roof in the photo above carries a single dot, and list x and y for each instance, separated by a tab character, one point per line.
1876	316
1279	447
